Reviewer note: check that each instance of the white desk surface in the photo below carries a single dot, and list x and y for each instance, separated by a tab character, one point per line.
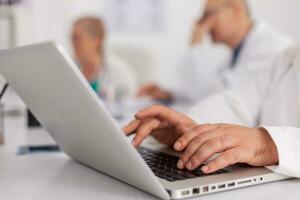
56	176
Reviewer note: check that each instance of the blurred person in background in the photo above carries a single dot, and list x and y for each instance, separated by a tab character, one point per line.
110	77
207	69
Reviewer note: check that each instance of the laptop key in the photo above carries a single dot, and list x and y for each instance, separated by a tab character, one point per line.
165	166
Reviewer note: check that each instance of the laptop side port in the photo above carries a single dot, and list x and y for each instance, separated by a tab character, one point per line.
185	193
244	182
231	184
196	191
205	189
221	186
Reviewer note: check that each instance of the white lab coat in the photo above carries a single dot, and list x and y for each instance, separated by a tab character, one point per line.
271	100
118	81
206	69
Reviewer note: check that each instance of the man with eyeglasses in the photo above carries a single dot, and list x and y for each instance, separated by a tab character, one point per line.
250	46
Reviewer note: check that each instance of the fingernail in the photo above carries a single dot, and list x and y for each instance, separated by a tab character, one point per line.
177	145
205	169
189	166
180	164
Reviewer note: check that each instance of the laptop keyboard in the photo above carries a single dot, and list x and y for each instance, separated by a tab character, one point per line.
165	166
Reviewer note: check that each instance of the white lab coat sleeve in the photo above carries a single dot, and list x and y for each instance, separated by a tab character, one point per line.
243	104
195	72
236	106
179	88
287	140
121	77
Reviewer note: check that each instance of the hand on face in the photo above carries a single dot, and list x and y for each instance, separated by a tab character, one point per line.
234	144
201	28
155	92
89	59
87	52
90	66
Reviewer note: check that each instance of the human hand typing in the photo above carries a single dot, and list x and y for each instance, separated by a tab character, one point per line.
199	143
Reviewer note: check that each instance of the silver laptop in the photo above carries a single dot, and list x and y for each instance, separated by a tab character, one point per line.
52	86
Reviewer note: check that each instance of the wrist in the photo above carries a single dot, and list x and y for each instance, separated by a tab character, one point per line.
269	148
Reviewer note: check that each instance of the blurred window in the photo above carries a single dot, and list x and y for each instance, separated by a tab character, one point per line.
135	16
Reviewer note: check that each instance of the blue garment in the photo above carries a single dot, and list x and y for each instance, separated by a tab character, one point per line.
236	54
96	86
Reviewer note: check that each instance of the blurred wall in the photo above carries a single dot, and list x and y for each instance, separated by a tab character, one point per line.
284	15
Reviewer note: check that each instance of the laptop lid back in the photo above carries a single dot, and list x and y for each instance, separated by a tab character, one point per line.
54	89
